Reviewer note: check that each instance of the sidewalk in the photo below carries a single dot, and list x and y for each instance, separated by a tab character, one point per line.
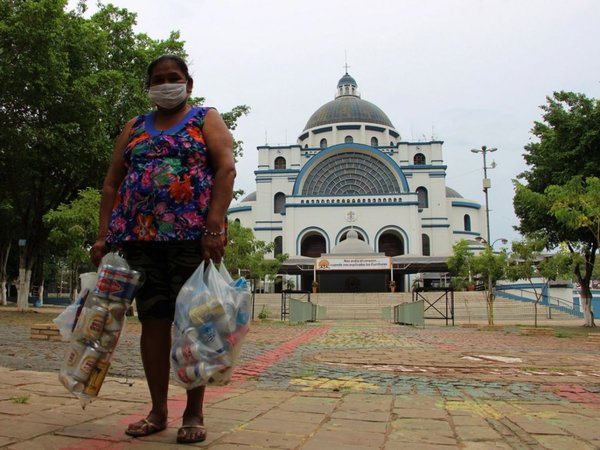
345	385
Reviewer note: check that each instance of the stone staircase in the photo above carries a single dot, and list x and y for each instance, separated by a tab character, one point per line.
468	306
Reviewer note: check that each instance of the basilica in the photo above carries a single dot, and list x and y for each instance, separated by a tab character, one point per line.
354	206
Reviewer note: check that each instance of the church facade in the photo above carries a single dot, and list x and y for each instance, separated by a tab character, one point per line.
353	204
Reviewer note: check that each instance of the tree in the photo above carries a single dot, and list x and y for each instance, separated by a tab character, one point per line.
568	147
460	264
576	205
490	267
527	261
73	230
245	254
68	86
487	265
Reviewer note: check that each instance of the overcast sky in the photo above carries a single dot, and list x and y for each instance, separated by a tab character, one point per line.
466	72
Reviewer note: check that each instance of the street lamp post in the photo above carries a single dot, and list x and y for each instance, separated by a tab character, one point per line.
487	183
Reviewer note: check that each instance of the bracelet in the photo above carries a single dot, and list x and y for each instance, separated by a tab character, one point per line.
206	232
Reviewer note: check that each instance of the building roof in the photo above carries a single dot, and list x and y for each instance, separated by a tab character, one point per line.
451	193
251	197
352	245
347	80
348	107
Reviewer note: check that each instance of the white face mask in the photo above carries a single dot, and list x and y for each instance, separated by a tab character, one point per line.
168	95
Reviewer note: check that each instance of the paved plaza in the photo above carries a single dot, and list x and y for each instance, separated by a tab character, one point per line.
329	385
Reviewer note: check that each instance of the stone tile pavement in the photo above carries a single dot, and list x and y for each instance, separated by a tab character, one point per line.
340	385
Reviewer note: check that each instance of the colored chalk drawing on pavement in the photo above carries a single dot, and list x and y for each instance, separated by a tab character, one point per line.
337	384
479	409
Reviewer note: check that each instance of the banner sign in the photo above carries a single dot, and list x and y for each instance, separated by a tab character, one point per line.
384	263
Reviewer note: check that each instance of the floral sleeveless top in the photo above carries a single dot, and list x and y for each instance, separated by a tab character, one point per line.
166	192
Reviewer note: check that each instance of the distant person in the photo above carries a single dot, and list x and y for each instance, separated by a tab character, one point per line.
163	205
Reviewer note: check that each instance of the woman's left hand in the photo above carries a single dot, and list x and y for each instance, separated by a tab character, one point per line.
212	248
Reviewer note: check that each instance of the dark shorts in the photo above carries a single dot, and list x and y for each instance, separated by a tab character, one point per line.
165	266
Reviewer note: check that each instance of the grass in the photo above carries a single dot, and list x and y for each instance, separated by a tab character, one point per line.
21	399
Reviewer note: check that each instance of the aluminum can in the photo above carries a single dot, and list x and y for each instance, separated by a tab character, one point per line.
226	322
90	323
209	336
117	283
116	316
220	376
108	340
86	364
205	313
70	383
74	354
188	353
191	374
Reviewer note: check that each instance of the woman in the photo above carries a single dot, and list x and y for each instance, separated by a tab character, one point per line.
163	204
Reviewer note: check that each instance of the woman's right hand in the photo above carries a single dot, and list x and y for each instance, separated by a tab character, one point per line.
98	250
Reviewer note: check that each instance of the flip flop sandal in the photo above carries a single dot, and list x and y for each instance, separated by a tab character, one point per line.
143	428
187	434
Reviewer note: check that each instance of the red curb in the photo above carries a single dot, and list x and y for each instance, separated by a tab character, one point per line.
176	404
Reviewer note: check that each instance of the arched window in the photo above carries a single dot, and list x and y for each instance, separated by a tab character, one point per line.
425	245
423	197
374	142
323	143
467	221
237	221
348	140
278	250
279	203
280	162
419	159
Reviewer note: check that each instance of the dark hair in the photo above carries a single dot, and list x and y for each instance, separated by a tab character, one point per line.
176	59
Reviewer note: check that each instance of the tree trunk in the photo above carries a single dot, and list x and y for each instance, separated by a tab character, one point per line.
4	252
3	293
41	296
586	303
23	286
490	302
535	304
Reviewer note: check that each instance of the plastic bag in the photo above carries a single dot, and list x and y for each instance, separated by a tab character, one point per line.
97	329
211	321
66	320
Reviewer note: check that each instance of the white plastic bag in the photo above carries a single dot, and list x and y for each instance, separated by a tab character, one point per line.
66	320
211	321
98	327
